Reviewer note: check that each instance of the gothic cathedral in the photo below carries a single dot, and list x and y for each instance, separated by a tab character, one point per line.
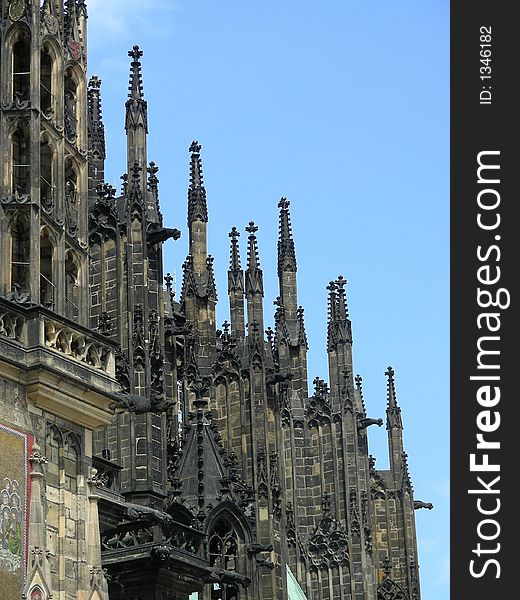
145	452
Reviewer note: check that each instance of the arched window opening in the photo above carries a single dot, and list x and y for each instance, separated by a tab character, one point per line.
20	255
70	109
71	199
21	174
22	69
223	554
46	97
71	464
71	286
46	279
46	176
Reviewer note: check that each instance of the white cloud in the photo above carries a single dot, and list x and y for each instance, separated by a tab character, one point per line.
444	570
122	17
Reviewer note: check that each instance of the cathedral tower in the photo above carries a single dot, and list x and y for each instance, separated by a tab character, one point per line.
138	438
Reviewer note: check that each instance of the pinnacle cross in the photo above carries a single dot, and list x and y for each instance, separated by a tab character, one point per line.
136	171
135	86
252	228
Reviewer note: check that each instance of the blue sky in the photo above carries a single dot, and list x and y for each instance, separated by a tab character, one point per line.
343	107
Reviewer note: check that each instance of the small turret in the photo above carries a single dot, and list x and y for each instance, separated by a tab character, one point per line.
394	425
254	282
236	287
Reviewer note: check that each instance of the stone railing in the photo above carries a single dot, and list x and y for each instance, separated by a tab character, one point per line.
78	345
12	325
171	534
31	326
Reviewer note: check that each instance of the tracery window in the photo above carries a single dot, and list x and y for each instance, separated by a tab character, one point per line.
46	176
223	554
46	270
70	108
71	286
21	68
20	254
46	82
21	167
71	198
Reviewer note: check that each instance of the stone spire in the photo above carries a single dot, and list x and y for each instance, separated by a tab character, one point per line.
197	211
254	282
236	286
339	337
286	252
96	128
197	206
135	86
136	120
394	425
96	138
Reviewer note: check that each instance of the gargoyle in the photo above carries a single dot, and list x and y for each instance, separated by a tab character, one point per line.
420	504
137	512
263	562
216	575
141	405
256	548
161	235
279	378
366	422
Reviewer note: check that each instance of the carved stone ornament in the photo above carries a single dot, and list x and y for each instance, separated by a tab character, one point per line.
51	23
75	49
389	590
328	545
16	10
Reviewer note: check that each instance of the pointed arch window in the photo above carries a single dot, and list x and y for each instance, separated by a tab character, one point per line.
22	68
46	270
46	176
71	198
223	554
70	108
21	167
20	254
46	96
71	285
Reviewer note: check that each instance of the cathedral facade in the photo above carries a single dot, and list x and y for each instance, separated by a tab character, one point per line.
147	452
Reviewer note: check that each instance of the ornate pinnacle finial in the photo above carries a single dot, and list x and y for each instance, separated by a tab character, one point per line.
391	396
393	411
195	147
252	228
153	181
339	329
152	169
283	203
136	172
341	282
252	251
94	83
225	328
135	86
286	252
234	252
197	206
124	185
169	280
96	129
